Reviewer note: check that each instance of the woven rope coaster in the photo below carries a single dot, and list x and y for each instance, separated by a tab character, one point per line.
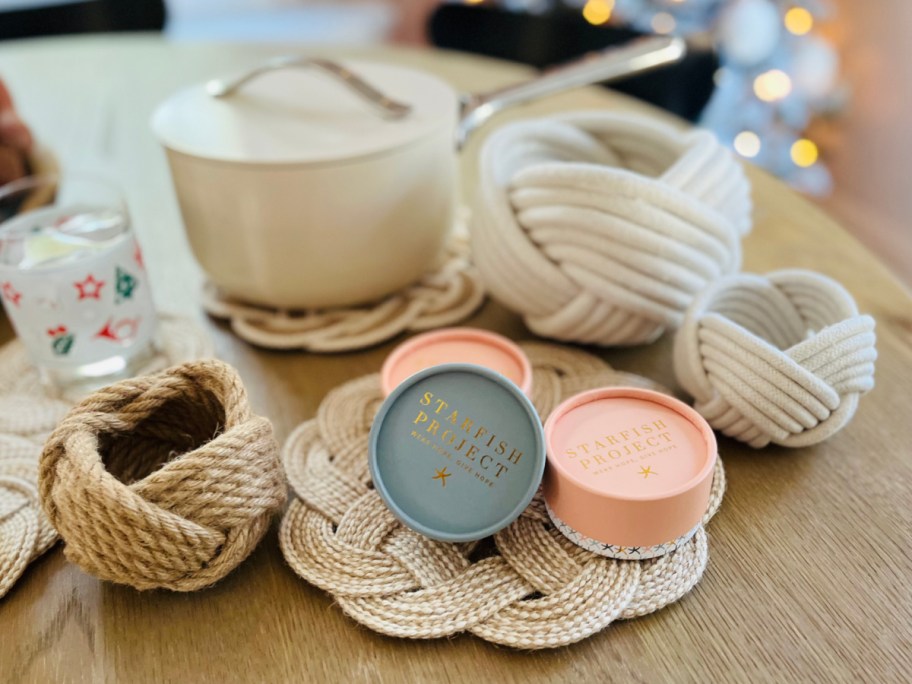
27	416
527	587
446	295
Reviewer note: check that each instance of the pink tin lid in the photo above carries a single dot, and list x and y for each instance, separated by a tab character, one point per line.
628	466
457	345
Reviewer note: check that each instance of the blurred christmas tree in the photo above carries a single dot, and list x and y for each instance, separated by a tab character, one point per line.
776	76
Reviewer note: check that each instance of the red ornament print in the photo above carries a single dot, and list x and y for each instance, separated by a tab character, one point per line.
10	294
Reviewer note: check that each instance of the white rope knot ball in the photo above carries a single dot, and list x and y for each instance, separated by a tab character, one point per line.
780	358
602	228
163	481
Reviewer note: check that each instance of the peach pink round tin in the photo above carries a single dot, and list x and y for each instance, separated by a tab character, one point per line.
457	345
629	471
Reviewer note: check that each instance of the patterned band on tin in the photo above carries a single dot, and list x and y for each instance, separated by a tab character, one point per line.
617	551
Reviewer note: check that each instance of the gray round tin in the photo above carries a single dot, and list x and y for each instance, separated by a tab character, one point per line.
457	452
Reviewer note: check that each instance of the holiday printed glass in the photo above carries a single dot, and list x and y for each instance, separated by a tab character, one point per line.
72	280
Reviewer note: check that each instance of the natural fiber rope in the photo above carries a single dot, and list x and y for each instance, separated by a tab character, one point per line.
163	481
781	358
447	295
27	416
601	228
530	588
20	528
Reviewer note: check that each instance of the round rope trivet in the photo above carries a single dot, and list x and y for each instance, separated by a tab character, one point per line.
19	528
781	358
447	295
27	416
528	587
163	481
601	227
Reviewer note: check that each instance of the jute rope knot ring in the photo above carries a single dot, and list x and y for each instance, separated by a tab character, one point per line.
166	480
602	228
781	358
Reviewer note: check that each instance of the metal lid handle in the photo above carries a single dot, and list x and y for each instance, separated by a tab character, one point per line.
386	105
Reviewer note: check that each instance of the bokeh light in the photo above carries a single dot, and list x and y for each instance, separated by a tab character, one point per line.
663	22
747	144
804	153
772	85
799	21
598	11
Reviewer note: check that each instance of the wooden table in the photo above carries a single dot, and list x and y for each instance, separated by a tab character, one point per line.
810	569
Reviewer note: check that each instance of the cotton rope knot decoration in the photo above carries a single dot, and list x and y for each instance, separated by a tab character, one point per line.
163	481
781	358
601	228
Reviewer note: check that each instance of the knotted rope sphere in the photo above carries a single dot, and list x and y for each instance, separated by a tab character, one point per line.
780	358
166	480
601	228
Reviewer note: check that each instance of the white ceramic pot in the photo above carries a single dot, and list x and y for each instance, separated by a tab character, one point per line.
297	193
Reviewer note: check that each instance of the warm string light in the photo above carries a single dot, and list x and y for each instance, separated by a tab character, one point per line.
769	138
598	11
772	85
804	153
663	22
473	2
798	21
747	144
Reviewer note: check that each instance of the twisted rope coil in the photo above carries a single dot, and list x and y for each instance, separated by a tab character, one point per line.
446	295
163	481
528	588
27	416
781	358
601	228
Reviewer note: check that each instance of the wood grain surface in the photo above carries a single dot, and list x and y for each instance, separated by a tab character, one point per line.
810	568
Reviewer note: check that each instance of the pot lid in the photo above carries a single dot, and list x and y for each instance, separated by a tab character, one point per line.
457	345
301	115
456	452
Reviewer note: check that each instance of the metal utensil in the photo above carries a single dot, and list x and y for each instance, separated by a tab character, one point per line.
386	105
637	56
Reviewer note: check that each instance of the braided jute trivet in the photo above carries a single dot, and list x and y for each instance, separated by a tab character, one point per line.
451	292
163	481
528	588
27	416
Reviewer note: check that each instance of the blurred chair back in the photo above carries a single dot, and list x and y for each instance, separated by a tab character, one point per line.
548	39
40	18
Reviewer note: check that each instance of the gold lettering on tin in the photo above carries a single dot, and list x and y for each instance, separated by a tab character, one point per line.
478	445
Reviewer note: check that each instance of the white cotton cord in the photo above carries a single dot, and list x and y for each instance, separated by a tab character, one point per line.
602	228
781	358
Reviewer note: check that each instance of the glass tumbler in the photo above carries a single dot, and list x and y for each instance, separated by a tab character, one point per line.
72	280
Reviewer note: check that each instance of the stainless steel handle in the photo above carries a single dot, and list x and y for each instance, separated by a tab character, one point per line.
637	56
387	106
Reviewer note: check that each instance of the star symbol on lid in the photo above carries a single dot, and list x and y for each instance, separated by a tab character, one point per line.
646	472
89	288
10	293
441	475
